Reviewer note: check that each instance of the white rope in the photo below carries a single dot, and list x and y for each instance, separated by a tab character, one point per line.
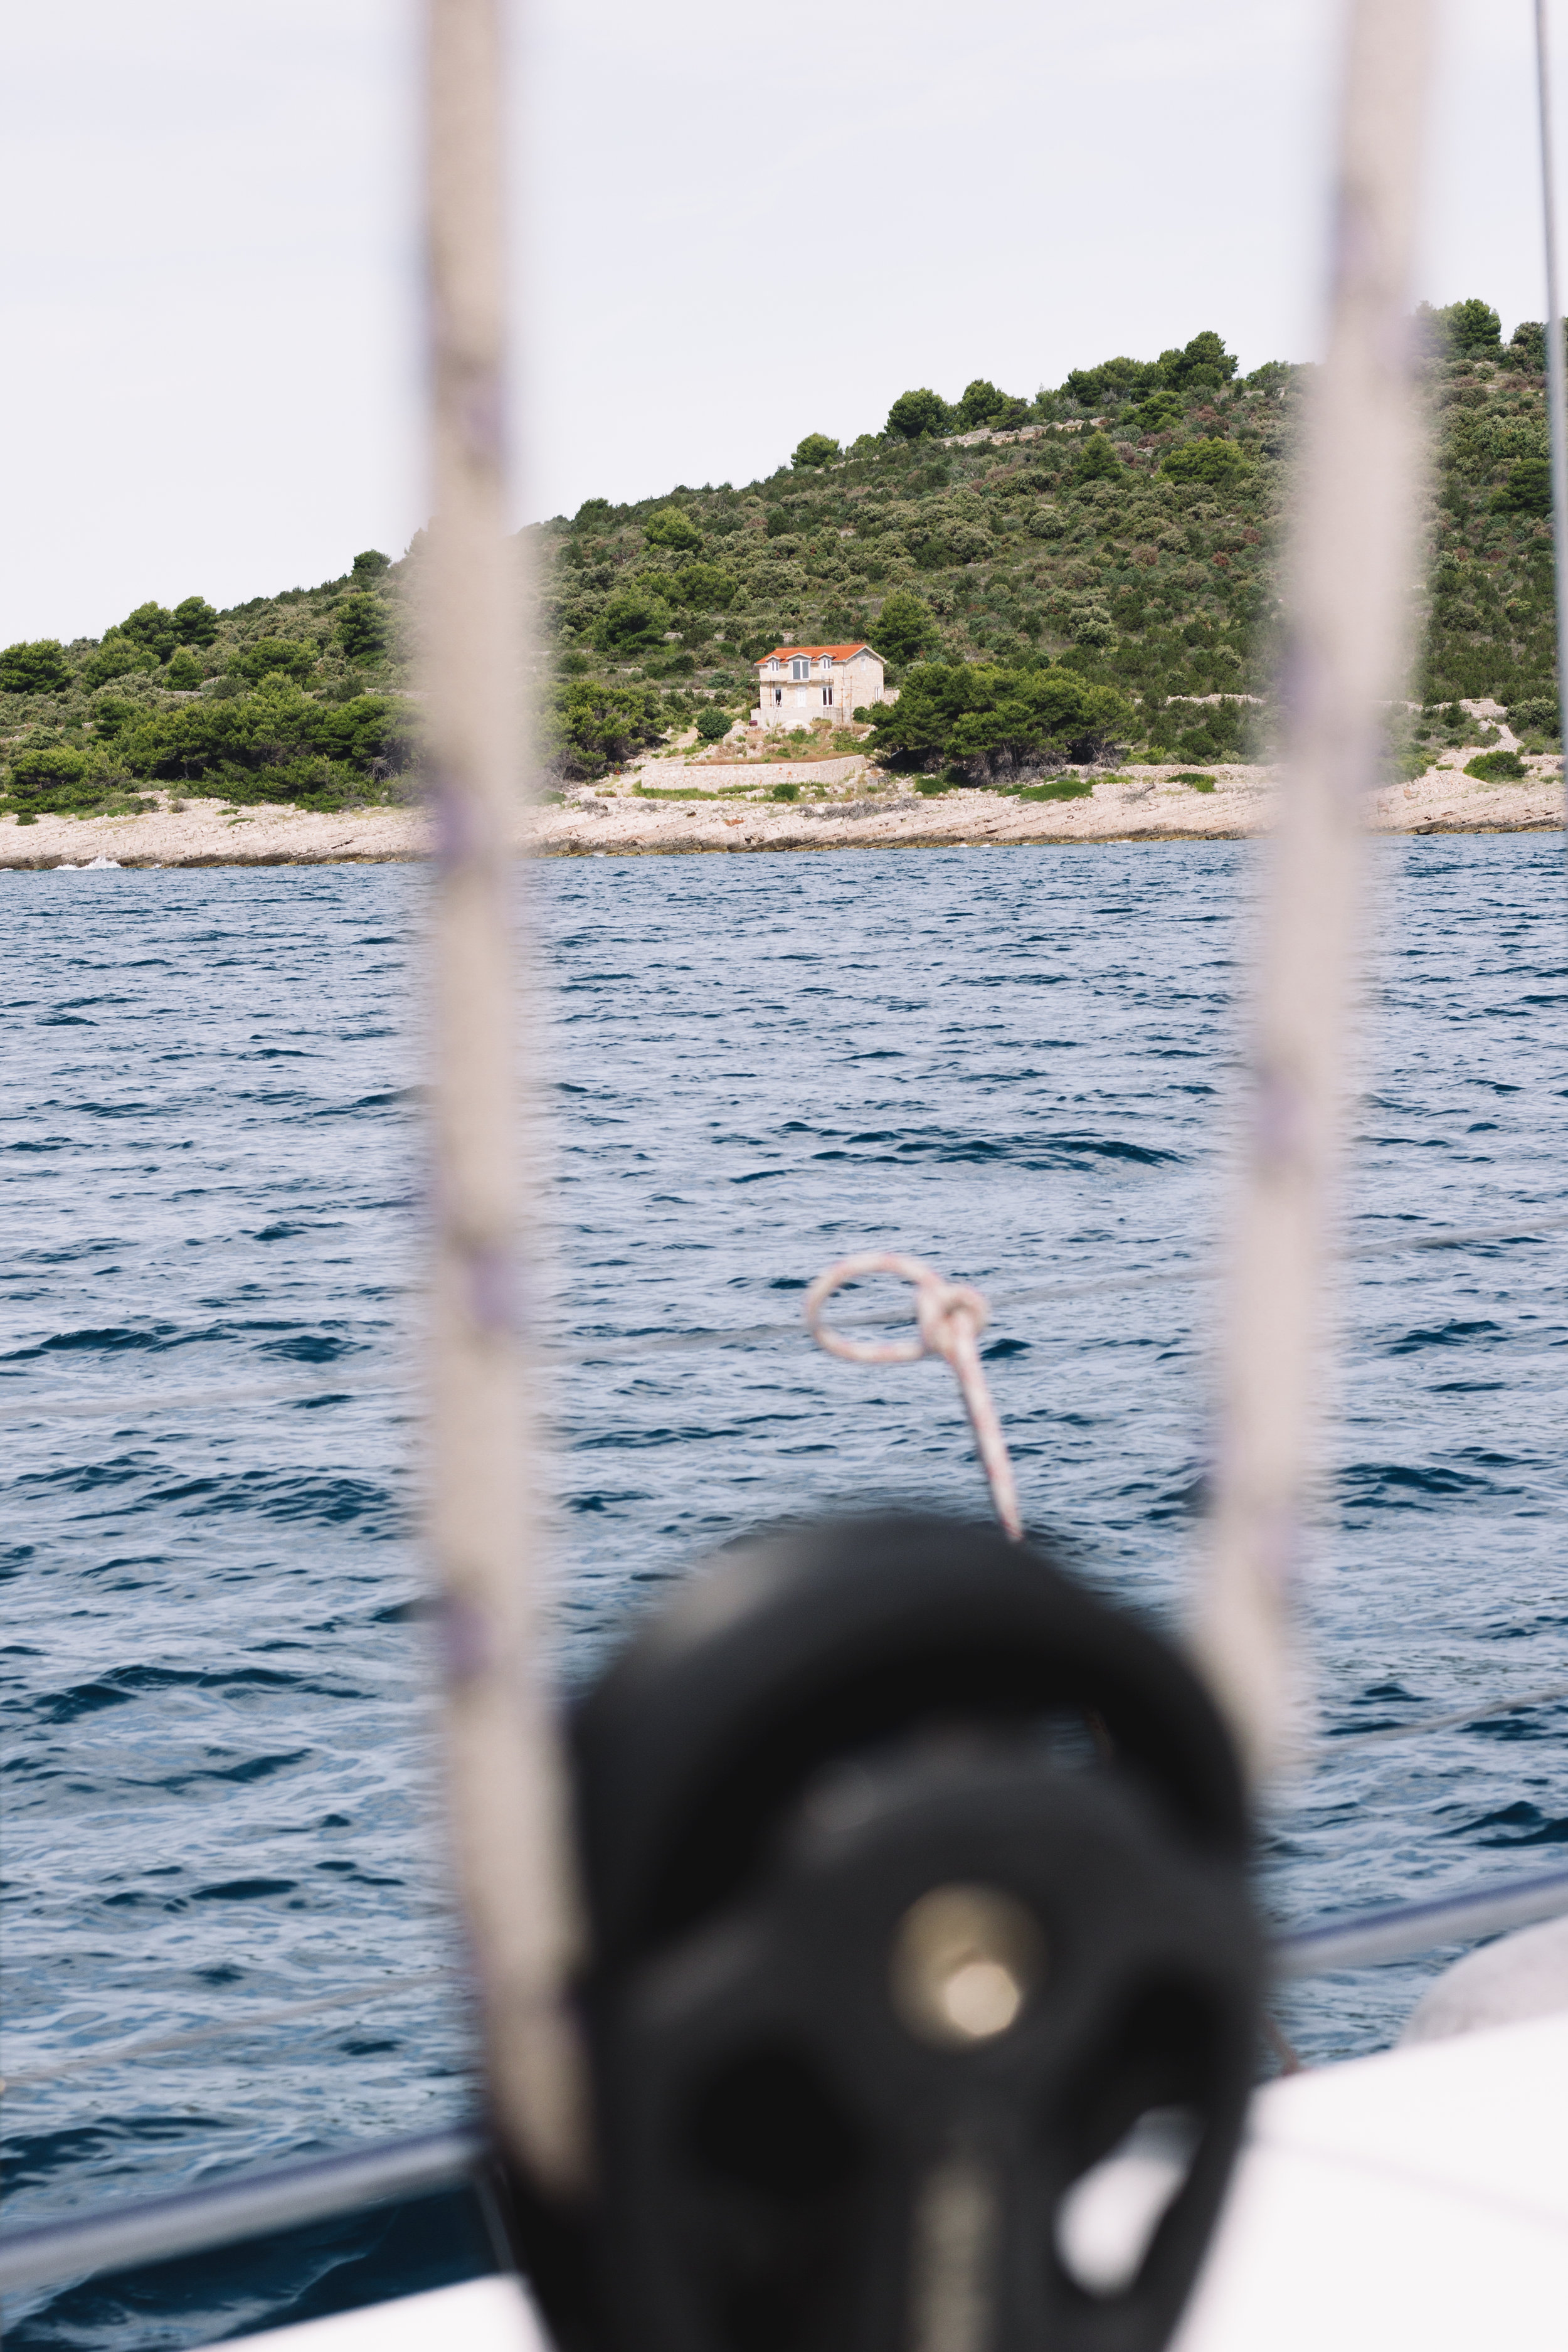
506	1781
948	1319
1556	399
1353	554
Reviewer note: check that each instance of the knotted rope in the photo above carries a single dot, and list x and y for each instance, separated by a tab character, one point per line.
949	1319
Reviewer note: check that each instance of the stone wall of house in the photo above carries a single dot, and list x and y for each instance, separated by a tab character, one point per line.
854	683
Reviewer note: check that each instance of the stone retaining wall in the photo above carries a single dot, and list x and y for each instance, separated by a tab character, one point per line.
674	775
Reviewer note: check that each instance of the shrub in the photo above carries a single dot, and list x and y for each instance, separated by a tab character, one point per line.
990	721
38	668
785	792
1204	364
631	622
905	629
196	623
151	625
1158	414
268	656
589	728
1539	714
1089	624
1215	462
712	724
1195	778
1113	379
1497	767
116	657
364	627
702	586
816	450
48	764
111	713
954	541
371	731
1461	330
1526	347
673	528
1528	490
983	404
275	743
185	671
1098	461
54	777
916	414
1220	734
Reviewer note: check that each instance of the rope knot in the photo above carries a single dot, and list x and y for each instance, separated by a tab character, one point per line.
949	1313
949	1319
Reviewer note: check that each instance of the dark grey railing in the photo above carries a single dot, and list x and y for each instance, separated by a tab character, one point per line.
1399	1931
189	2221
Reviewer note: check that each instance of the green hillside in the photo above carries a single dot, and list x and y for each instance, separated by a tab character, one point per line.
1094	569
292	698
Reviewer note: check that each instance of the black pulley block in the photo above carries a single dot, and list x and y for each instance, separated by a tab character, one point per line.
924	1997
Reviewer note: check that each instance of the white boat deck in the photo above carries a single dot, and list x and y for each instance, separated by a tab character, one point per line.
1415	2201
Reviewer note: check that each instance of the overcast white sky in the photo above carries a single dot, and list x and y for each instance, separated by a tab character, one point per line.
733	225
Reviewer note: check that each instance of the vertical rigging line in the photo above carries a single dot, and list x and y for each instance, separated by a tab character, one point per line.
505	1774
1354	545
1557	400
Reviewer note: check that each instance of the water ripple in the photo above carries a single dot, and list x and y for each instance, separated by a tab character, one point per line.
214	1685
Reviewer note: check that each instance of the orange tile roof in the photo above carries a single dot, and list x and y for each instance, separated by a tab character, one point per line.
839	653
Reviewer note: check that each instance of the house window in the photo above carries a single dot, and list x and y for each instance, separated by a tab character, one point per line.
778	693
827	694
801	669
773	668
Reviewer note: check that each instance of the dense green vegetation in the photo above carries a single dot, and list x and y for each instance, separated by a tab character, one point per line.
1123	545
1105	582
292	697
1131	546
991	723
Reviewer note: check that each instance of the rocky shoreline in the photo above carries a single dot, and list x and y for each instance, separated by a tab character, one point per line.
673	807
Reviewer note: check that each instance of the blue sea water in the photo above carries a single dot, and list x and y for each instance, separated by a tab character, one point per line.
221	1780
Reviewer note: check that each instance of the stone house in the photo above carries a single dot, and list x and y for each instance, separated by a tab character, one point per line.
797	684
